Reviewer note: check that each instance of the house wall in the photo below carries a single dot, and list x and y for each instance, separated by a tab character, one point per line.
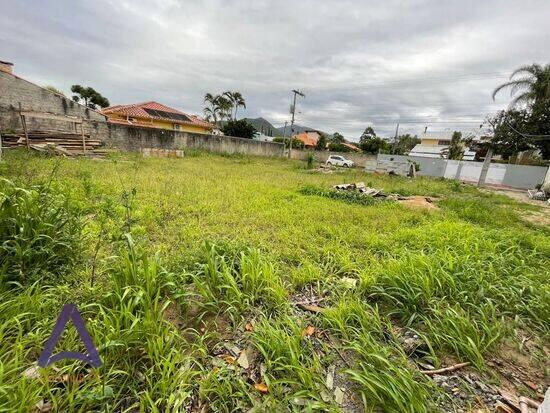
14	90
515	176
429	141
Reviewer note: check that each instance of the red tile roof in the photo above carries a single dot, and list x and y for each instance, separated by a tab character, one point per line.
308	138
137	110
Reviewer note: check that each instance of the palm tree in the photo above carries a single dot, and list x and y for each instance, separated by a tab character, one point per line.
236	100
225	106
533	86
212	111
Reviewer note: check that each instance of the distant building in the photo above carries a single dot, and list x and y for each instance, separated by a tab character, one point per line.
156	115
436	145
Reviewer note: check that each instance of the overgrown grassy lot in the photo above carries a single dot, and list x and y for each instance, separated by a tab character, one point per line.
181	267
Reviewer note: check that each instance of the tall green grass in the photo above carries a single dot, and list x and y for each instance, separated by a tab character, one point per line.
39	233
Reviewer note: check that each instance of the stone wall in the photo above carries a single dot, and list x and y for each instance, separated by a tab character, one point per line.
15	91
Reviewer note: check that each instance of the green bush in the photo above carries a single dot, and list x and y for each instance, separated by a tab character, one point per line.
39	233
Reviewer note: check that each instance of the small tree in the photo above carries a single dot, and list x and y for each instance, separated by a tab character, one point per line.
239	128
405	143
338	138
374	144
321	143
54	90
370	143
338	147
89	96
456	150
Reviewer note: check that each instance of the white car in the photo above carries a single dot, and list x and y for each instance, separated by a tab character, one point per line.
337	160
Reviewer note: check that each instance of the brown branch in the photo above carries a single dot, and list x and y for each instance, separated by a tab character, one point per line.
446	369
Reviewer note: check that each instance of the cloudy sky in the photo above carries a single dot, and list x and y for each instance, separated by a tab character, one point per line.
418	62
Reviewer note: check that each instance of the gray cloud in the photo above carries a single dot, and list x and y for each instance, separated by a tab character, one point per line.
360	63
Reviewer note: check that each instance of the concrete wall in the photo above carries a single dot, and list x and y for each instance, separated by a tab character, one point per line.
361	160
132	138
14	90
515	176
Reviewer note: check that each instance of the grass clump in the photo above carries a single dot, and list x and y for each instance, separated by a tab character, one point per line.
379	368
40	233
293	368
235	282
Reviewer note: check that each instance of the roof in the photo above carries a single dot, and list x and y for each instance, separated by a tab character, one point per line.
351	146
6	63
307	138
448	134
154	110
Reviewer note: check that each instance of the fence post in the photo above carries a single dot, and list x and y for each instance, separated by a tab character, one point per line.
485	167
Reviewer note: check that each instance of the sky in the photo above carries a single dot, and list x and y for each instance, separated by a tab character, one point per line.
422	63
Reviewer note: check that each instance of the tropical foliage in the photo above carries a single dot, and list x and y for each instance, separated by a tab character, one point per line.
529	85
239	128
526	124
223	106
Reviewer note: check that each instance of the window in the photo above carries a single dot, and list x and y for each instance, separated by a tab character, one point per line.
444	142
176	126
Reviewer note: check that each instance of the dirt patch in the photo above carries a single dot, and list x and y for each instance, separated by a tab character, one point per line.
518	195
537	217
419	202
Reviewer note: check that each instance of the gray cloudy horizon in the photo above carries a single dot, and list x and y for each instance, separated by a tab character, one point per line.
360	63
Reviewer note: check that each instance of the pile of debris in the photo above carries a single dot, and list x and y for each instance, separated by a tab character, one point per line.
412	201
363	189
539	194
54	142
327	169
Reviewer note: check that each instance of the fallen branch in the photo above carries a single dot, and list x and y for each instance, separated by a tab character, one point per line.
525	403
446	369
312	308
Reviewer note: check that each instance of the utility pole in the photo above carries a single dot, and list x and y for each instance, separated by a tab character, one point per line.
395	139
284	133
296	92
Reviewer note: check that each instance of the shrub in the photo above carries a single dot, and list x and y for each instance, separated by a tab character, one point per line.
39	233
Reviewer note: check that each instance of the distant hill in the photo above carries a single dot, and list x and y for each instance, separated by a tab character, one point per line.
300	128
263	126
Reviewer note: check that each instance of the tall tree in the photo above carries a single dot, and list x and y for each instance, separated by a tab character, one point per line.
218	108
237	100
89	96
528	85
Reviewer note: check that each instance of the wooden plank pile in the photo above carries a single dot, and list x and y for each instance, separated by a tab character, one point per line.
65	143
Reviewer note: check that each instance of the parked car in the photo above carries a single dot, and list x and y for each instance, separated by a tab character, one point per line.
337	160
